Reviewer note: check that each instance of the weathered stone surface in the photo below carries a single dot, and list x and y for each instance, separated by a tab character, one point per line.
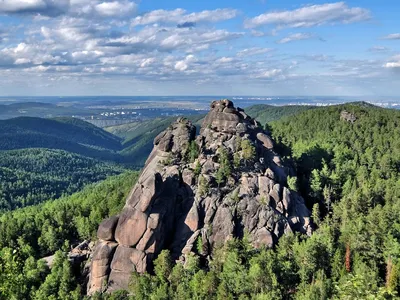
170	207
131	226
192	219
263	238
100	266
347	116
265	140
106	229
222	226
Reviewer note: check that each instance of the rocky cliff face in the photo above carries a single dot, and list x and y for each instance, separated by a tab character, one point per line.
223	183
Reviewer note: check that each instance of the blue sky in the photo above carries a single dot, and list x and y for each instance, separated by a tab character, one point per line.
236	47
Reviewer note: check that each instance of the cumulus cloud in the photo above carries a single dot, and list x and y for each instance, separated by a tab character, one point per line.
297	37
180	16
54	8
43	7
154	39
393	36
394	63
311	15
183	65
115	8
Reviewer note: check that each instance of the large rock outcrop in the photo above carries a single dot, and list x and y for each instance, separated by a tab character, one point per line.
215	186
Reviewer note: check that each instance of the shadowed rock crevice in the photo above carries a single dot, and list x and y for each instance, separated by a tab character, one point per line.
234	186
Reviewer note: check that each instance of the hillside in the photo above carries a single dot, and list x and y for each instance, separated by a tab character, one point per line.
350	174
30	233
267	113
37	109
43	159
67	134
31	176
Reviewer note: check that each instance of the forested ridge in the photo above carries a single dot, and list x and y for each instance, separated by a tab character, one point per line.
348	173
31	176
69	134
264	113
30	233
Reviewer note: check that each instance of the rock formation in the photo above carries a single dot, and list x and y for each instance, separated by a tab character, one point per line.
347	116
223	183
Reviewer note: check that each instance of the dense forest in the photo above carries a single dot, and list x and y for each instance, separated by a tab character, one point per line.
69	134
264	113
349	175
30	233
31	176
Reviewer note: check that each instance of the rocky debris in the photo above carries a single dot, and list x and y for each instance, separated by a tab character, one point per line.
347	116
236	185
76	256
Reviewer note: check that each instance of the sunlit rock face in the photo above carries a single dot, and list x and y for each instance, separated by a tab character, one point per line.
182	198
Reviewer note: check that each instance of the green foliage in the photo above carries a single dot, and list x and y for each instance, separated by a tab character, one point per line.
267	113
69	134
46	227
236	160
248	150
197	168
163	266
235	273
235	196
199	245
203	186
292	183
349	174
60	283
225	168
33	232
31	176
192	152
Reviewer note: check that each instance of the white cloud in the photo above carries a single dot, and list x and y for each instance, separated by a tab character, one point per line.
378	49
53	8
180	16
393	36
253	51
394	63
183	65
225	60
311	15
44	7
296	37
269	74
115	8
